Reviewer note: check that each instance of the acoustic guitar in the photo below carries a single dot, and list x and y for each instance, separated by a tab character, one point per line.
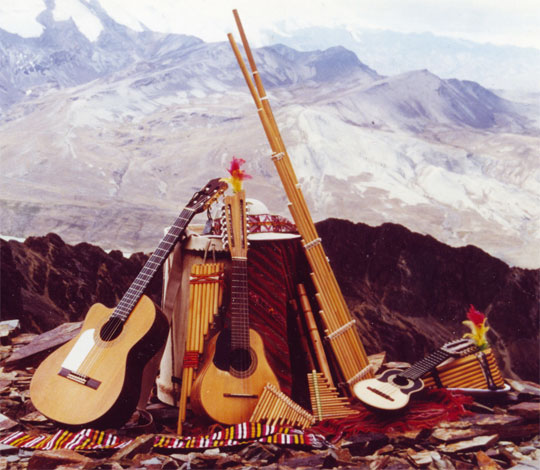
95	379
391	390
234	369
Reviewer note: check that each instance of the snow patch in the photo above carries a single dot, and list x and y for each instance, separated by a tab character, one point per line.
87	23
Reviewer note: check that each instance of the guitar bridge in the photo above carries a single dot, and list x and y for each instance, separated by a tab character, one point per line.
382	394
79	378
240	395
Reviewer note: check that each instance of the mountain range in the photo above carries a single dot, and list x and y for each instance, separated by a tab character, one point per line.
500	67
105	141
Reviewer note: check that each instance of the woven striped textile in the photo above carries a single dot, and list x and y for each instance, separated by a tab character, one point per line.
272	268
91	439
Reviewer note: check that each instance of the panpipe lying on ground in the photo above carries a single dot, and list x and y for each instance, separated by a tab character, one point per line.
325	400
477	371
205	296
340	328
276	408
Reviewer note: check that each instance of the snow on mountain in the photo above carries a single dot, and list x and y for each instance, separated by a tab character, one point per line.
105	140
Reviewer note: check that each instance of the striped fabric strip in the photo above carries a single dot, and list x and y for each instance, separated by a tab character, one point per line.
86	439
90	439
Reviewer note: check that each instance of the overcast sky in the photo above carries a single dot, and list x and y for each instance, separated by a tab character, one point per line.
514	22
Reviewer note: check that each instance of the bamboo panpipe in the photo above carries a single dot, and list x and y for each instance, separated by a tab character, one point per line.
205	295
339	327
276	408
325	401
467	372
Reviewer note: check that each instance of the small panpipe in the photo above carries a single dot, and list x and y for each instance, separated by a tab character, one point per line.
478	370
205	296
276	408
325	400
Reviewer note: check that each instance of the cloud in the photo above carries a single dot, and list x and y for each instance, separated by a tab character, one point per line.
495	21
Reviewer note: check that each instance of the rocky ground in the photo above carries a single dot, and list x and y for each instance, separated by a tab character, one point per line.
495	432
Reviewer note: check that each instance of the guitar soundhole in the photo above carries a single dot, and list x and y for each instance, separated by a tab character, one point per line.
400	381
111	330
242	362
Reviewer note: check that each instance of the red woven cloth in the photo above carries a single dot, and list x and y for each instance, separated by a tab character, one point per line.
424	411
271	274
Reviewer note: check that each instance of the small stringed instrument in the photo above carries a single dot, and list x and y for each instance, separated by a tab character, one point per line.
391	389
95	379
235	369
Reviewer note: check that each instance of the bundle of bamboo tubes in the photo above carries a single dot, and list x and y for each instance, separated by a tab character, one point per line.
325	401
205	297
276	408
340	329
477	371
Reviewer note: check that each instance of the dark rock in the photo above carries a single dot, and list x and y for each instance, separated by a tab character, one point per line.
410	293
45	282
528	410
365	444
55	458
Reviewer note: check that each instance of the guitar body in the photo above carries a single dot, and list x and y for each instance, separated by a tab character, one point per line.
389	391
225	390
112	369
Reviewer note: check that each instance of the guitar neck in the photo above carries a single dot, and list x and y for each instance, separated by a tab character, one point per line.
156	260
239	304
425	365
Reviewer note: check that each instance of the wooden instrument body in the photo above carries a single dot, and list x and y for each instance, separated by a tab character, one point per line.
222	392
117	365
389	391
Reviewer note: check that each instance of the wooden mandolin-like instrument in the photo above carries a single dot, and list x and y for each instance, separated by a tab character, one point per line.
235	369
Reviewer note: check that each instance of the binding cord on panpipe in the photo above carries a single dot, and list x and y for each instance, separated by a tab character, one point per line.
478	371
325	401
278	409
205	297
340	329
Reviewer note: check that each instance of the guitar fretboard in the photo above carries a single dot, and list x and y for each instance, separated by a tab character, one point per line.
425	365
156	260
239	304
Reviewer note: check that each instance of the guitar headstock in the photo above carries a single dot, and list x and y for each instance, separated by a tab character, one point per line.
236	224
460	347
202	199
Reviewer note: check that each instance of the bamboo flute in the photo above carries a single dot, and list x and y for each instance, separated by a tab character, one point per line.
304	342
314	333
331	297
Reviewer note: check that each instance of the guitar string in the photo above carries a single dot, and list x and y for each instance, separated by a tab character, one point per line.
134	293
130	299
